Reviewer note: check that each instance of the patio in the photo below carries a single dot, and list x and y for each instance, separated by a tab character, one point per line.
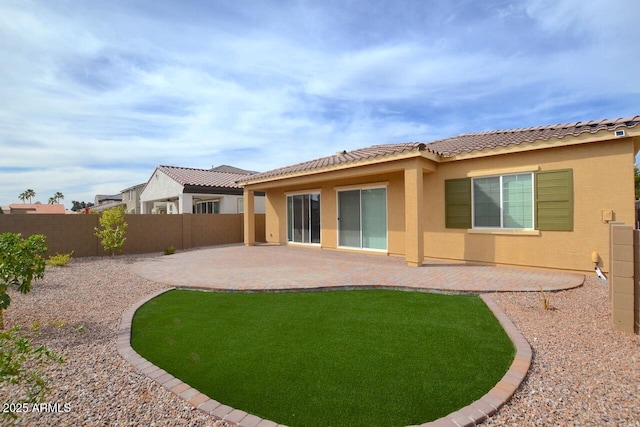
279	268
268	267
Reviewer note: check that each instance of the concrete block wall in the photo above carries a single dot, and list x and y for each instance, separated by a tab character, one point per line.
145	233
624	288
64	233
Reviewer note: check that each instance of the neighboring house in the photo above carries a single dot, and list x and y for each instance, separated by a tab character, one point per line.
538	197
176	190
102	202
131	198
35	208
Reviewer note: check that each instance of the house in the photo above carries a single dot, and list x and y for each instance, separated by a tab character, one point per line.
534	197
102	202
176	190
131	198
35	208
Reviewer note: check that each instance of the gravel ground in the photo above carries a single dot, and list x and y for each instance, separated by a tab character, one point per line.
79	309
583	373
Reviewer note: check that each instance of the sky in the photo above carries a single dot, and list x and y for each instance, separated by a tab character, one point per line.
95	94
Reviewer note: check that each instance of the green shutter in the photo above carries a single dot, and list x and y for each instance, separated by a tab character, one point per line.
457	202
554	200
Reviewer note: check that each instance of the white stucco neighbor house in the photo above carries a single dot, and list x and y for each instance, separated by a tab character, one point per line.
177	190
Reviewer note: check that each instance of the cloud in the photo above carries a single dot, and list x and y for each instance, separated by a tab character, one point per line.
100	93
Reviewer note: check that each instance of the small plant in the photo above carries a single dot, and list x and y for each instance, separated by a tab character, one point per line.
60	260
113	229
170	250
16	352
545	300
80	328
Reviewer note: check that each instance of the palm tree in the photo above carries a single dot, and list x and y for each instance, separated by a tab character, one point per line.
56	198
29	194
23	196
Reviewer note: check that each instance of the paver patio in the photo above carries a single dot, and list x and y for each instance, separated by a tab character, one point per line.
268	267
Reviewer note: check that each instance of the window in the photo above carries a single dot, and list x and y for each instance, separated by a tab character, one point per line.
303	218
504	201
240	205
362	218
541	200
208	207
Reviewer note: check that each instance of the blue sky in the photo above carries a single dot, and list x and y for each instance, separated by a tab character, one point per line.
95	94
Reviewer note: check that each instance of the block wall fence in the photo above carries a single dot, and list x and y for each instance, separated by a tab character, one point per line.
624	278
145	233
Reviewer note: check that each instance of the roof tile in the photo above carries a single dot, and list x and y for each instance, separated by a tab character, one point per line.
339	158
204	177
448	147
487	140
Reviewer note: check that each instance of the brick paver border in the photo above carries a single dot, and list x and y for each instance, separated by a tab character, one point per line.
470	415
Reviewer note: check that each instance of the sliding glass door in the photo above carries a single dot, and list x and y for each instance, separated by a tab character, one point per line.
362	218
303	218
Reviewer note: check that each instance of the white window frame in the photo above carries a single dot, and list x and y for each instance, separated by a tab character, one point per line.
502	227
205	203
375	186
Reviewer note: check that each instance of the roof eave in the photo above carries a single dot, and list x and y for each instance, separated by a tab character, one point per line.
342	166
564	141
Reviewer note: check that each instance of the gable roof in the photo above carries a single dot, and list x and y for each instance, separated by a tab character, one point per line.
133	187
204	177
449	147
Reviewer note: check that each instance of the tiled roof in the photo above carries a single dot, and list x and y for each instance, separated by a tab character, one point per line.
501	138
341	157
108	198
203	177
455	145
37	208
232	169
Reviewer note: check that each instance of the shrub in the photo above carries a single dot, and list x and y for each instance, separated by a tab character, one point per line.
60	260
20	263
170	250
112	233
16	351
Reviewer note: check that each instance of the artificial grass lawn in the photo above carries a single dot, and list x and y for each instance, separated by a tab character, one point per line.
352	358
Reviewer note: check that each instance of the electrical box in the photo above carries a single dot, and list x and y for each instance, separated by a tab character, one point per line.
607	215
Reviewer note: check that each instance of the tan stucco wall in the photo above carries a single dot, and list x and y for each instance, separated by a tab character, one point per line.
603	179
276	209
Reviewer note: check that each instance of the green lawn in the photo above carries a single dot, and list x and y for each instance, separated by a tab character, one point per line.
341	358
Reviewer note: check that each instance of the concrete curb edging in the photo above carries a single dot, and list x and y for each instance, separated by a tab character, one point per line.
196	399
470	415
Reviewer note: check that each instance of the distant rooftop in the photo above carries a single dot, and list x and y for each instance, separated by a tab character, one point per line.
36	208
220	177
